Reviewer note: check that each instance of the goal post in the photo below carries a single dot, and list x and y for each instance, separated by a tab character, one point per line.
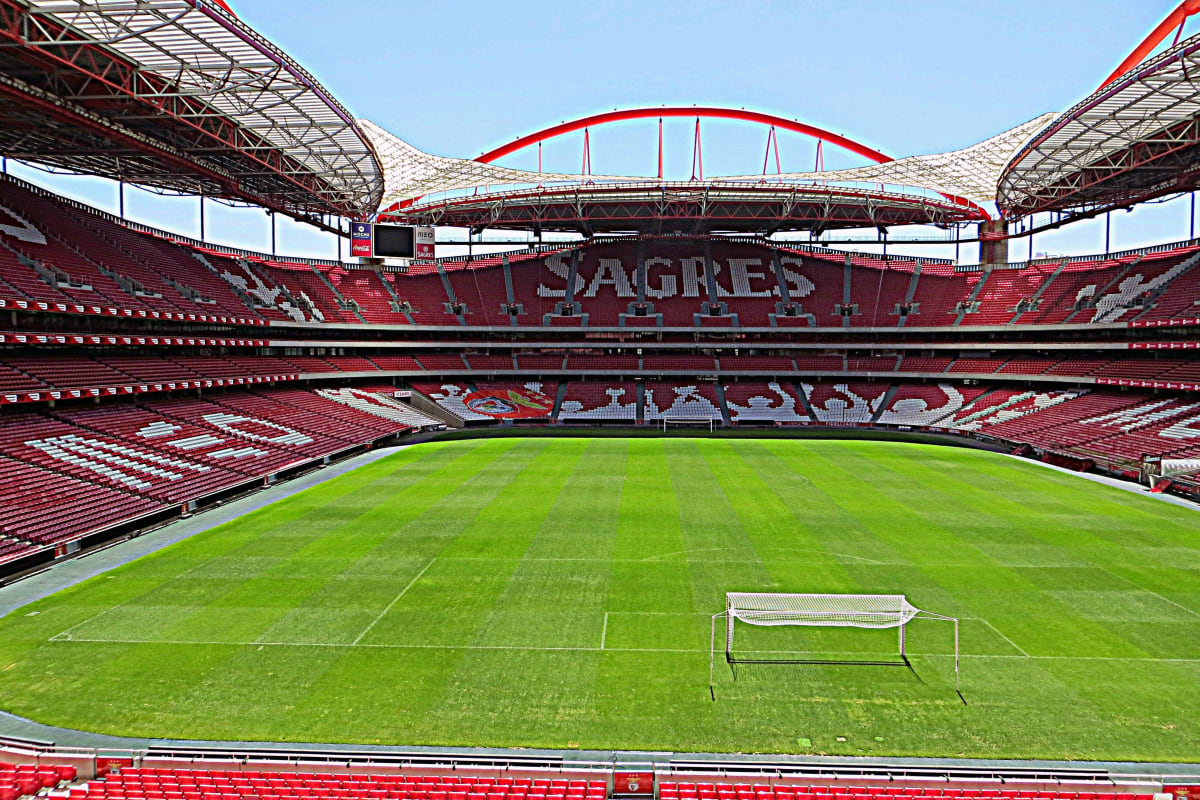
1156	469
877	611
703	422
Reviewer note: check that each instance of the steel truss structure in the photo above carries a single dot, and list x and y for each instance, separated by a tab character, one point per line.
942	189
688	207
181	95
1134	139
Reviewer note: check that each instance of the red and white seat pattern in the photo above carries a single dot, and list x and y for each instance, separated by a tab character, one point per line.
450	396
601	402
764	402
1012	405
681	400
845	403
381	405
919	404
73	471
90	263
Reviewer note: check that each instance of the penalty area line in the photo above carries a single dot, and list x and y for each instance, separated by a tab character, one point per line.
537	648
1000	633
389	606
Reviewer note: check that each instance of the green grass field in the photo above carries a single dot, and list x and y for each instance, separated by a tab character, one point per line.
558	593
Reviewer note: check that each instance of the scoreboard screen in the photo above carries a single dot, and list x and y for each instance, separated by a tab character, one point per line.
395	241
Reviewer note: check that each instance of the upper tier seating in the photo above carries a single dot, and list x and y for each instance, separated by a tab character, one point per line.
55	251
77	249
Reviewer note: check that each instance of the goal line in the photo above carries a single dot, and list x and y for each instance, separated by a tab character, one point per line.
875	611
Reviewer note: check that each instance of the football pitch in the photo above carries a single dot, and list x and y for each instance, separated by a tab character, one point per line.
558	593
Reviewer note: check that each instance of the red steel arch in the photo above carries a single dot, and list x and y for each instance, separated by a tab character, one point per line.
1173	20
706	112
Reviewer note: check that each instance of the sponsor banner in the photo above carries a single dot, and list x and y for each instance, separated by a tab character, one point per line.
423	243
360	239
633	783
106	764
1183	791
509	403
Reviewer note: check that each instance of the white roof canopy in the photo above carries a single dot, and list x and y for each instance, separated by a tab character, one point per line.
970	173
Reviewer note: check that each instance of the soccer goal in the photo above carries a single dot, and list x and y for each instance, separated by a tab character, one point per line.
703	422
817	610
1156	469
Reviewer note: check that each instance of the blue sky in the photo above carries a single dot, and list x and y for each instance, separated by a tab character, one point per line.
903	77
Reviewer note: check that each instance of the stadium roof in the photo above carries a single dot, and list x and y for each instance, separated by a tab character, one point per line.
177	94
940	189
1134	139
694	207
410	173
969	174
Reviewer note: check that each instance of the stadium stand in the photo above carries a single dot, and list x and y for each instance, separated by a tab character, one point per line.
599	402
771	402
681	401
59	252
72	471
165	784
17	780
67	253
671	790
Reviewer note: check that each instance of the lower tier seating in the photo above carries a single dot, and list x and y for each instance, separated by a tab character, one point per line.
75	470
670	790
17	780
193	784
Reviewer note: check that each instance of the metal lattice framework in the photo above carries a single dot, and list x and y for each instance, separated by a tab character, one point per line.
410	173
941	189
970	173
178	94
1136	138
689	207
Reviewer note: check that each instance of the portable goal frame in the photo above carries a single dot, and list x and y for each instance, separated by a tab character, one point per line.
876	611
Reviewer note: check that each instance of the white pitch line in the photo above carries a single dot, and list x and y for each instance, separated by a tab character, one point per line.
1193	612
1020	649
67	633
395	600
610	649
604	631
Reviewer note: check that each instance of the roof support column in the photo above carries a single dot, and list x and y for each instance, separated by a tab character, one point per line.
993	242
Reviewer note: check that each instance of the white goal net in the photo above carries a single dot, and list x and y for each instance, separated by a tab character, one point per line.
1155	469
819	610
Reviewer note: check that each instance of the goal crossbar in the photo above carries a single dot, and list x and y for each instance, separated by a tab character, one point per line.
877	611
